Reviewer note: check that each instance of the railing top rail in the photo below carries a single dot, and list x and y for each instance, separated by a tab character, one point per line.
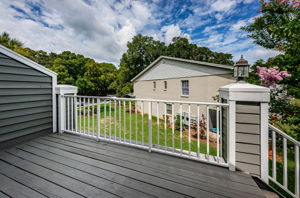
284	134
153	100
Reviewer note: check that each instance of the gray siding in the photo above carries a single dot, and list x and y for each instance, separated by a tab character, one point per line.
25	100
248	137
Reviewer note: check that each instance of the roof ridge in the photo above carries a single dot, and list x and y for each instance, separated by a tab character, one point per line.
230	67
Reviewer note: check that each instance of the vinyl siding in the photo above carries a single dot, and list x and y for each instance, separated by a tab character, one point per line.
248	137
167	69
25	100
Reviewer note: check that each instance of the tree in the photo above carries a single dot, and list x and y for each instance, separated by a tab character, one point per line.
63	76
9	42
182	48
141	51
97	79
278	28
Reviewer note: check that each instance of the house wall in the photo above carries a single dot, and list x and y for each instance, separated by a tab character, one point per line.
202	89
25	100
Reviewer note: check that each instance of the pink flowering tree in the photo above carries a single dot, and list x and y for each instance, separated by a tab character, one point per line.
270	77
280	103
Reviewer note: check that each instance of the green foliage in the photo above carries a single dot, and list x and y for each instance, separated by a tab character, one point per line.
97	78
9	42
182	48
278	28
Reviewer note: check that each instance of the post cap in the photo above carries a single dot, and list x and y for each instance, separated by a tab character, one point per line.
66	90
245	92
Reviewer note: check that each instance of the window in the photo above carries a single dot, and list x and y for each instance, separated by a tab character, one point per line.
166	85
185	87
169	109
154	85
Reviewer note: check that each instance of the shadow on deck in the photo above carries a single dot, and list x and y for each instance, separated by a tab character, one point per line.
67	165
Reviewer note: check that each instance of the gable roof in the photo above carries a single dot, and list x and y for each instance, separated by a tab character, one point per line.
229	67
26	61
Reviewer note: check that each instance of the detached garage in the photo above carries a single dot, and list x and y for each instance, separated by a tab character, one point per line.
27	98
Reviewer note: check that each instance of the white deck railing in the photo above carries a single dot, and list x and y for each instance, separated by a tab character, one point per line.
191	130
285	161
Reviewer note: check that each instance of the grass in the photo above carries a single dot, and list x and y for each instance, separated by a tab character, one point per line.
139	128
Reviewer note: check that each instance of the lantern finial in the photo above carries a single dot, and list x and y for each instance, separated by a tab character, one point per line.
241	69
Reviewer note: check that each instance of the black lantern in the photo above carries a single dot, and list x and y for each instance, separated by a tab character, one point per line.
241	69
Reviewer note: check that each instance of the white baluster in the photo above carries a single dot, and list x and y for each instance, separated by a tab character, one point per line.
274	175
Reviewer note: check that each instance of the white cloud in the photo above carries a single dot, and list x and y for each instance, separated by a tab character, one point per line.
170	32
223	5
100	30
237	26
256	53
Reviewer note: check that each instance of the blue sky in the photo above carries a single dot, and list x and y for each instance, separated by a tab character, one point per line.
100	29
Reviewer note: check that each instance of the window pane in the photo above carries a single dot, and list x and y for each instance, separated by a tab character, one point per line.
169	108
185	87
166	84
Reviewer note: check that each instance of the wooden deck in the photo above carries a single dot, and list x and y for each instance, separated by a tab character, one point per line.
71	166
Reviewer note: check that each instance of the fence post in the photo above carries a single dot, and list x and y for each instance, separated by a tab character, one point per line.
61	91
150	125
61	113
247	127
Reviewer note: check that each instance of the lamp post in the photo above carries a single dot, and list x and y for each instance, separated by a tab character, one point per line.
241	69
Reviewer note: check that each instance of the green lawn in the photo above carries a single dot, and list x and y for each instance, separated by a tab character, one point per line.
137	125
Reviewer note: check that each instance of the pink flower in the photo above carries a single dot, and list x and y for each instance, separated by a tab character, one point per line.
270	77
296	4
283	2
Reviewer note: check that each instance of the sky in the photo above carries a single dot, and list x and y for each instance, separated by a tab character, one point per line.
100	29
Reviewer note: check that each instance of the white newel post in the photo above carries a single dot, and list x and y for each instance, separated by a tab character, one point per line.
62	90
247	129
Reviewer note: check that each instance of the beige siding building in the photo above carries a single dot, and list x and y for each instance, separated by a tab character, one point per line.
169	78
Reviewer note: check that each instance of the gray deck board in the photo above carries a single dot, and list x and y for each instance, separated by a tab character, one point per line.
158	159
70	183
114	177
193	179
14	189
64	159
142	174
66	165
84	177
2	195
34	182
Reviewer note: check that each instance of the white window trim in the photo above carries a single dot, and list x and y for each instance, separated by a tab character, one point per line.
185	95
